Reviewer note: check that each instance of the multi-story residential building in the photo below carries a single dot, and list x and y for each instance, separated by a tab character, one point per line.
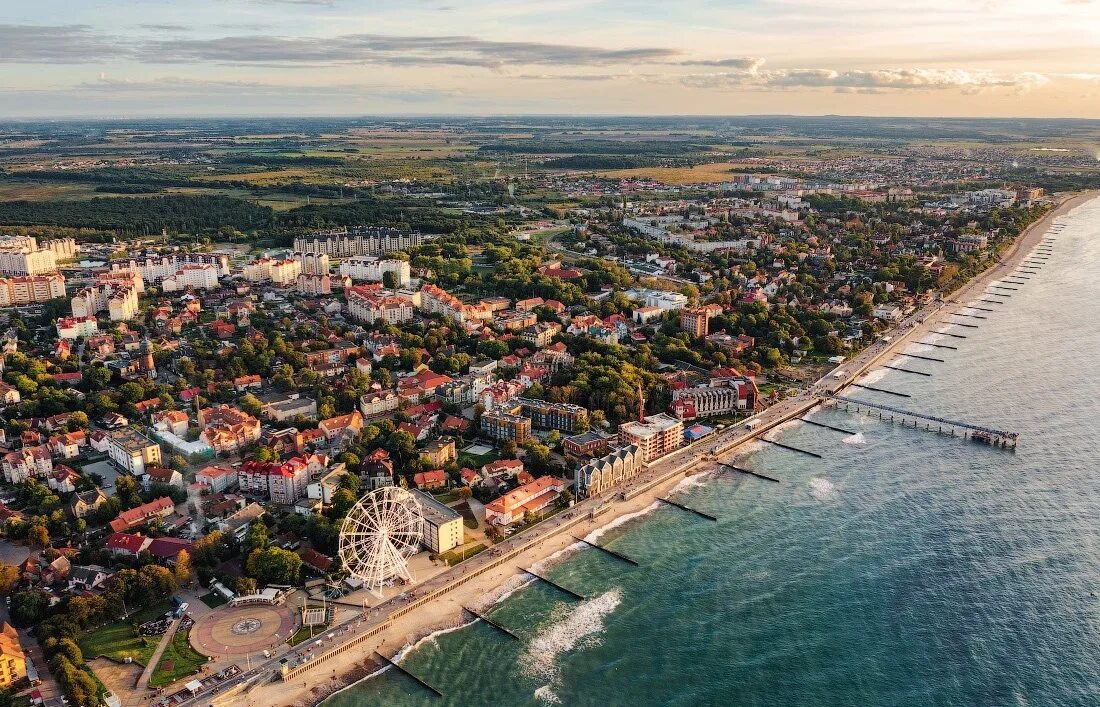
440	453
76	327
13	662
696	320
608	471
197	276
365	267
120	301
551	416
359	240
34	262
29	289
442	528
379	404
313	263
666	300
435	300
540	335
533	497
22	464
335	427
588	444
227	429
372	308
132	451
282	483
656	435
282	272
9	395
315	285
154	268
502	425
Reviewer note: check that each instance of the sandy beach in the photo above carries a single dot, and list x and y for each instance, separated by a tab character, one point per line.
446	610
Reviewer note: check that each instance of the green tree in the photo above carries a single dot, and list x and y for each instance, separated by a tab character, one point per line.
274	566
255	538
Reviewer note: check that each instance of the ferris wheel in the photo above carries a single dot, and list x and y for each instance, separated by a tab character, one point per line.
379	535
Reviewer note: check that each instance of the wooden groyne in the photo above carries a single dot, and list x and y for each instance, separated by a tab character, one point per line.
881	390
555	585
815	423
490	622
689	509
923	358
938	346
609	551
750	473
907	370
416	679
793	449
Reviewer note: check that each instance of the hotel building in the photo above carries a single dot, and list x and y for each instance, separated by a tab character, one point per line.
656	436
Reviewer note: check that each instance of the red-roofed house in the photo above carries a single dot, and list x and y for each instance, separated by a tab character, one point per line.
157	508
435	479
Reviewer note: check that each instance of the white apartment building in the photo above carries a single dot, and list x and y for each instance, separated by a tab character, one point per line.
132	451
312	263
198	276
366	267
76	327
156	268
279	272
370	309
120	301
37	262
666	300
361	240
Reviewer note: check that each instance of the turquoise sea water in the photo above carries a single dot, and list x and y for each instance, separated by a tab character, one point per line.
905	568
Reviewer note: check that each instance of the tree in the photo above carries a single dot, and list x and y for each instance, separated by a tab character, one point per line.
28	607
250	404
245	585
9	577
126	491
274	566
154	584
342	501
183	568
38	536
389	280
255	538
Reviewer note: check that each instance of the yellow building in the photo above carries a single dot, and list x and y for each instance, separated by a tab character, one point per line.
13	663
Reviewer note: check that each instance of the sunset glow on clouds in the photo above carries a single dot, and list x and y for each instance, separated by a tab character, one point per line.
338	57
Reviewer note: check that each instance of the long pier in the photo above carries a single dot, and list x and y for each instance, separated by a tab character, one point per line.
815	423
988	435
906	370
881	390
555	585
609	551
689	509
492	623
418	681
750	473
793	449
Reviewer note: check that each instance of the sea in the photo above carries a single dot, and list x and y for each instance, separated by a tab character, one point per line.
903	568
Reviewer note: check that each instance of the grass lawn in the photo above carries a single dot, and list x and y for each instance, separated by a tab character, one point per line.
476	461
468	517
453	557
304	633
117	640
178	661
213	600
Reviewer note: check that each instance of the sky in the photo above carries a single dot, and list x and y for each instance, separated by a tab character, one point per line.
152	58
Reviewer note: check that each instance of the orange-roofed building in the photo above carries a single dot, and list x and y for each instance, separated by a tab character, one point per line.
534	497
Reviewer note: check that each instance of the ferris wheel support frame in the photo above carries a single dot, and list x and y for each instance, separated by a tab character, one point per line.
381	531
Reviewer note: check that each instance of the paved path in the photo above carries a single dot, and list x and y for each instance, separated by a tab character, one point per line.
143	681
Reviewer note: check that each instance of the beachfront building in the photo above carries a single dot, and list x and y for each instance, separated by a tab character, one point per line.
442	528
609	471
529	498
655	435
732	396
132	451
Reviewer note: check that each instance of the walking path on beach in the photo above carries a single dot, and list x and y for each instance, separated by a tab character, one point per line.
438	602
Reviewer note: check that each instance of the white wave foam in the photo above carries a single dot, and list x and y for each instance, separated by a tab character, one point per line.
621	520
573	626
502	592
874	376
693	481
430	638
547	695
857	438
548	562
823	490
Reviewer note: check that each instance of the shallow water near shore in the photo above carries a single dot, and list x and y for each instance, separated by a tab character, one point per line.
904	568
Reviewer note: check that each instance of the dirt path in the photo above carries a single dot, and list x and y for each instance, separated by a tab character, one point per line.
147	674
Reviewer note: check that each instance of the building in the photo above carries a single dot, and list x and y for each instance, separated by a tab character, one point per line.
22	464
732	396
544	415
379	404
227	429
358	240
173	421
282	483
588	444
29	289
313	263
282	272
655	435
217	477
195	276
280	407
439	453
13	662
314	285
156	268
371	269
341	425
529	498
371	308
15	261
436	300
132	451
87	502
666	300
504	426
325	487
442	528
157	508
541	335
609	471
76	327
696	320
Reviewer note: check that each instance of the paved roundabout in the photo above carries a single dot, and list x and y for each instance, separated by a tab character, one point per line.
242	629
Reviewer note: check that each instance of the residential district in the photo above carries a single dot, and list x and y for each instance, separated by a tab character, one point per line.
186	423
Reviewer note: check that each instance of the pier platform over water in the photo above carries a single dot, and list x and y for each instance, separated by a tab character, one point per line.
916	420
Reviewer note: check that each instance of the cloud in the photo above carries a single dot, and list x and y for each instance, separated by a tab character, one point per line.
166	28
868	81
182	87
56	44
745	63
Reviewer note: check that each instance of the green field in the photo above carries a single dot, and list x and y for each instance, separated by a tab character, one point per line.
119	640
178	661
453	557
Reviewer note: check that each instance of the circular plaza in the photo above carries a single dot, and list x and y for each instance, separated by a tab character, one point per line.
238	630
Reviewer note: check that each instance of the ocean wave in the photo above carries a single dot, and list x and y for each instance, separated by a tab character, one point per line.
430	638
857	438
874	376
693	481
550	561
503	591
823	490
573	626
621	520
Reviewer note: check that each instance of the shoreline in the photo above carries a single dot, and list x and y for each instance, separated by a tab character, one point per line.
632	501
